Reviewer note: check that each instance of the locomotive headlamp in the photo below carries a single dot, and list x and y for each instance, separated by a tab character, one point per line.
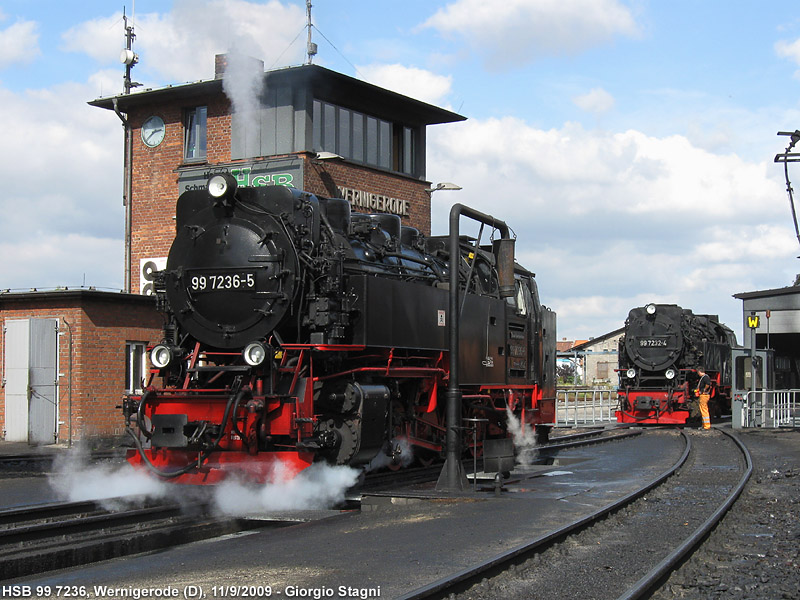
651	309
222	185
161	356
630	373
254	354
670	374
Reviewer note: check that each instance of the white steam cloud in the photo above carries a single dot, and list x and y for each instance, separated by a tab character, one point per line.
243	83
524	439
401	454
317	487
75	479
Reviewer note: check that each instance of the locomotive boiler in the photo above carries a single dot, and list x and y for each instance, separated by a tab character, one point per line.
297	331
662	347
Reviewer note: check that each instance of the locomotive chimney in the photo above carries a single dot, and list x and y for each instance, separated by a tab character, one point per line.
220	65
504	254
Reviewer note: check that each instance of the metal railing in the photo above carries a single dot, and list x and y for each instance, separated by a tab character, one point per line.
771	408
578	407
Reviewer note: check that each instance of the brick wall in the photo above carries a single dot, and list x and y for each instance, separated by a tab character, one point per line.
155	176
96	326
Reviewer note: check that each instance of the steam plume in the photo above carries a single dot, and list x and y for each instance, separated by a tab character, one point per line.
75	478
243	83
402	454
319	486
524	439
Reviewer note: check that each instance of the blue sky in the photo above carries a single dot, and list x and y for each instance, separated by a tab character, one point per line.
628	143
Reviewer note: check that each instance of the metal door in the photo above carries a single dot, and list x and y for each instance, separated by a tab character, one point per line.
43	367
31	368
16	344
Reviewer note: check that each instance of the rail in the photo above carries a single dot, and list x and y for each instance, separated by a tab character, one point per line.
771	409
575	408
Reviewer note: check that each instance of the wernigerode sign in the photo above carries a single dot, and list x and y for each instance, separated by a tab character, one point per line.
362	201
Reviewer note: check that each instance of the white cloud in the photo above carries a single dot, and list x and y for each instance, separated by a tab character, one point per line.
790	50
48	259
417	83
518	31
599	214
587	171
597	100
180	45
742	242
61	202
19	43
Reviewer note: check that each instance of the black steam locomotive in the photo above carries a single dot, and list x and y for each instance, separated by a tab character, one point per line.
659	354
298	332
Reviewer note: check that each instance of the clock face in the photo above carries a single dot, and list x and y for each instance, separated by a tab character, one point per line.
153	131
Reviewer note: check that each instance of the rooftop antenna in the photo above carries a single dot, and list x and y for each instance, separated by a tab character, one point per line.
311	47
128	57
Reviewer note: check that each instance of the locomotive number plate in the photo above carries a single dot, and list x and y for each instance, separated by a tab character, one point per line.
653	342
212	282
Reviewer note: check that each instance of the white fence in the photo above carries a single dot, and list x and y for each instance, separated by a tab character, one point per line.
575	408
771	408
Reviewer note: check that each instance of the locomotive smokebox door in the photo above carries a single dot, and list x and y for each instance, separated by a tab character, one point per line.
498	455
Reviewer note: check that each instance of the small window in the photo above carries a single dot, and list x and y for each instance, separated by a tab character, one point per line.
602	370
345	132
135	367
408	151
195	138
372	141
744	373
385	144
522	306
329	129
358	137
521	300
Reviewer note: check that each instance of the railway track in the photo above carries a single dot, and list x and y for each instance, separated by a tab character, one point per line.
388	480
625	549
28	464
35	539
40	538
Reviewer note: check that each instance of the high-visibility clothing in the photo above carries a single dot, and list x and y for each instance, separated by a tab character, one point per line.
704	410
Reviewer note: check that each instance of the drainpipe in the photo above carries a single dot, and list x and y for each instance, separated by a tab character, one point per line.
69	386
127	191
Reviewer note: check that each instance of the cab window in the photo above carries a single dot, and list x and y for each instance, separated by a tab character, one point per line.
521	300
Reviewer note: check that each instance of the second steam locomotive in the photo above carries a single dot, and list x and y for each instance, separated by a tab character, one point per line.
662	347
297	332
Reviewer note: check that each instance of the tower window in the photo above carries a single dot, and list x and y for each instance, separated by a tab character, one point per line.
363	138
195	134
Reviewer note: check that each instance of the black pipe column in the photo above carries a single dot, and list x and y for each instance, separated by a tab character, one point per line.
452	477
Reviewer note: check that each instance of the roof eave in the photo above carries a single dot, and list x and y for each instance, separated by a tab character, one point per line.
350	92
